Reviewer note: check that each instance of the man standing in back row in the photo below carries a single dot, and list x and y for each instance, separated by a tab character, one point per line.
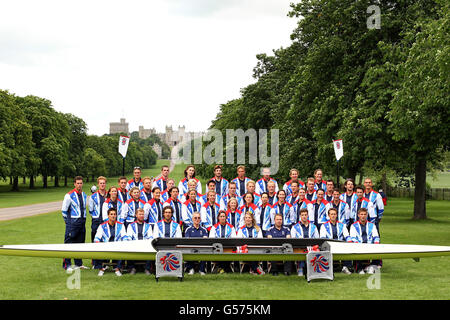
74	214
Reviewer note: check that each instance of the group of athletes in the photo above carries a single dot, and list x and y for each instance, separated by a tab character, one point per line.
147	208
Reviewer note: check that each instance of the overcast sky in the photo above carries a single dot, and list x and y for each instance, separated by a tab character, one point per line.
156	63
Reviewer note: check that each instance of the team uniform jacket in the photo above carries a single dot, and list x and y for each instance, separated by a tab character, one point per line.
103	233
297	231
266	217
120	210
243	233
131	183
185	197
176	205
71	207
223	186
288	189
353	215
132	231
153	211
129	210
144	196
287	211
378	204
94	205
227	197
326	231
238	185
371	231
291	199
237	218
322	213
121	197
175	230
320	185
188	209
253	208
216	231
314	196
219	200
261	185
206	214
343	211
298	205
366	203
183	186
159	183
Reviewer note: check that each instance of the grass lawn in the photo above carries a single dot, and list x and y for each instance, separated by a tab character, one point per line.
40	278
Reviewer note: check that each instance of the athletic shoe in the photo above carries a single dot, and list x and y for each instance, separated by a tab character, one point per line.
371	270
69	269
133	271
118	273
191	272
300	272
345	270
147	272
362	271
202	273
101	273
260	271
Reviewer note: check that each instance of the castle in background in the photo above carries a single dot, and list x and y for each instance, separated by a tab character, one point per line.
171	137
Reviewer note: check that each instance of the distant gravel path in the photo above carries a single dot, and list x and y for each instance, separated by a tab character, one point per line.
30	210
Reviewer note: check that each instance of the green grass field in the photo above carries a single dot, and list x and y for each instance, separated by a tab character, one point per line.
40	278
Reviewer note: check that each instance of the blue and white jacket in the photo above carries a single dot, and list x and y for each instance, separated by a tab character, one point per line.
94	205
132	231
121	215
243	233
322	214
352	214
378	205
237	218
175	230
223	186
129	210
238	185
176	205
131	183
320	185
297	231
326	231
152	214
261	186
216	231
183	186
371	231
103	233
287	211
266	217
287	186
71	209
188	209
206	214
343	211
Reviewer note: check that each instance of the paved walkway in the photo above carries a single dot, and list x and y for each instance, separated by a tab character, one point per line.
30	210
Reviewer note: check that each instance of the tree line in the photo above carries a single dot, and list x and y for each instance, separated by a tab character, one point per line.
384	92
36	140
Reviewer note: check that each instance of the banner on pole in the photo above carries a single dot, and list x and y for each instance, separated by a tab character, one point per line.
338	149
123	145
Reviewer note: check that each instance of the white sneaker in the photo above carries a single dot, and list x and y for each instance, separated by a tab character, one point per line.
300	272
202	273
118	273
345	270
371	270
69	269
101	273
362	271
191	272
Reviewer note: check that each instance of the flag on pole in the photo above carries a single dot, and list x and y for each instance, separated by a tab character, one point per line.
338	149
123	145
